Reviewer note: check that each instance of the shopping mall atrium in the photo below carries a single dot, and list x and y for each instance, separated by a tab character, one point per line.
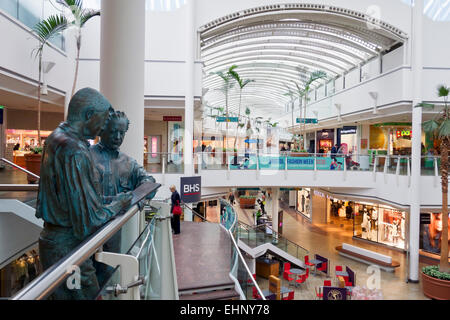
205	150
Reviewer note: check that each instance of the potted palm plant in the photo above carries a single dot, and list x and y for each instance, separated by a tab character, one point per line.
436	279
45	30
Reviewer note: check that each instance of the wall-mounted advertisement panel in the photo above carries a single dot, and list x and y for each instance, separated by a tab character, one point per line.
304	202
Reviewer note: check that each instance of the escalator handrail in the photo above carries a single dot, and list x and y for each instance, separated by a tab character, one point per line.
19	167
279	235
236	247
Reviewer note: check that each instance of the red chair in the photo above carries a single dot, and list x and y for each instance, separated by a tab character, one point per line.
286	277
290	296
287	267
319	294
249	281
307	263
338	268
256	294
327	283
302	278
348	284
323	267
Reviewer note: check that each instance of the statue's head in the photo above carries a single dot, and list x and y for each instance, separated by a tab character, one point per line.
90	109
115	128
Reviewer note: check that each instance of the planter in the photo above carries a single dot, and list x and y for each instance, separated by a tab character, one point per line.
299	154
33	164
247	202
435	288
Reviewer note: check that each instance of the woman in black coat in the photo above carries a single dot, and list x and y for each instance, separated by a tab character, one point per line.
176	200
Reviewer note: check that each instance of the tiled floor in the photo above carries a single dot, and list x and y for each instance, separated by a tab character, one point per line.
322	239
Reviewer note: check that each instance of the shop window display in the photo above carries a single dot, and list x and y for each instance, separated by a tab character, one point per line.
431	232
304	202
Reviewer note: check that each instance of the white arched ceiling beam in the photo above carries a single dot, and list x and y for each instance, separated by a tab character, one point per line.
310	29
287	49
279	42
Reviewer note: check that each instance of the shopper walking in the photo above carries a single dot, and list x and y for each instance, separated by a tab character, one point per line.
231	198
175	210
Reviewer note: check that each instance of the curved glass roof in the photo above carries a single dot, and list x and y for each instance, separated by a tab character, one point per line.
279	46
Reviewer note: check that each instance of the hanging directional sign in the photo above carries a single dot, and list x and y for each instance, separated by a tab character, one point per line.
225	119
307	120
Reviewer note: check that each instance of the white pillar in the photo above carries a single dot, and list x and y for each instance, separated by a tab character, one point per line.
191	38
416	75
122	55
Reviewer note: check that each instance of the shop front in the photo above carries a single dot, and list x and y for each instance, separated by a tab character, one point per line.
431	234
325	140
347	139
393	138
374	222
303	203
22	141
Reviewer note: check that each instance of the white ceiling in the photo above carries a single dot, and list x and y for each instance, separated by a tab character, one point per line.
280	47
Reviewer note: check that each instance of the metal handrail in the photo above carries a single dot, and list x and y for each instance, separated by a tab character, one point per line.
20	168
273	231
236	247
48	281
194	212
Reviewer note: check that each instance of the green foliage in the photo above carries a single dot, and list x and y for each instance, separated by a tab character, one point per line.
36	150
247	111
430	126
444	129
433	271
443	91
48	28
247	197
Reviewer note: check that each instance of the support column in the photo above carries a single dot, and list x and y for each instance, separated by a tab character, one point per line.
191	37
416	75
122	55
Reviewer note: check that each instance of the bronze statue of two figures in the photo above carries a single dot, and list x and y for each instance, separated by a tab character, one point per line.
82	187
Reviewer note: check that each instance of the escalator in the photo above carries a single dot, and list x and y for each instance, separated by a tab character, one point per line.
260	240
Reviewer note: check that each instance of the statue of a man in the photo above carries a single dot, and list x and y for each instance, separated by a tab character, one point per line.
69	199
117	173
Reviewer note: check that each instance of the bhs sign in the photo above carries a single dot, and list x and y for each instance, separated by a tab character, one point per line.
191	189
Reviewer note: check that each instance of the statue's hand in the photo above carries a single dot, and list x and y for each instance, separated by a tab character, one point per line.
124	199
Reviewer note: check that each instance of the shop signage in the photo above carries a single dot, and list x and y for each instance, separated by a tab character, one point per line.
172	118
251	141
191	189
307	120
334	293
404	133
348	130
225	119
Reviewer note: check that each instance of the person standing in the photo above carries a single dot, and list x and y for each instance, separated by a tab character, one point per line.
231	198
176	201
334	151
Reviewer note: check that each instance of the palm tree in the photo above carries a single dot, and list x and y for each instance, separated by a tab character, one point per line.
46	30
440	128
303	93
291	95
79	18
242	83
227	85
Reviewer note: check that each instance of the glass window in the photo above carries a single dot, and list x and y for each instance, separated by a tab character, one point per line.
9	6
30	12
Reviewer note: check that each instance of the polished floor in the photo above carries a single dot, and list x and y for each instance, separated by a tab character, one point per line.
323	239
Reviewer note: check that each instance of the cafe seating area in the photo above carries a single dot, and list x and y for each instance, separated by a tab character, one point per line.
314	281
